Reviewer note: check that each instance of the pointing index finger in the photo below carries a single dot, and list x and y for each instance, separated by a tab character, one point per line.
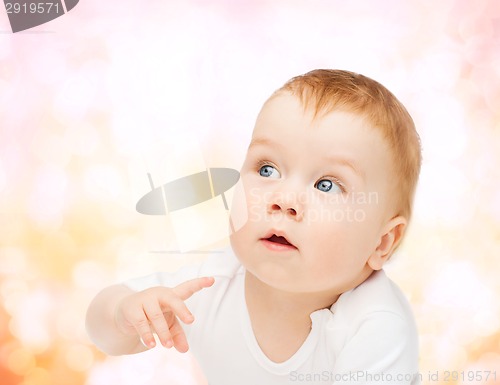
188	288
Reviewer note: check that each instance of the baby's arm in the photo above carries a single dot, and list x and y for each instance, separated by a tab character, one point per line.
118	317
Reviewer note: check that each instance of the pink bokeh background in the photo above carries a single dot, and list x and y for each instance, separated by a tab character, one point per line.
96	99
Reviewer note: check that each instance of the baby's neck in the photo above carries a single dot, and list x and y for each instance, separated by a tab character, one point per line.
262	297
280	320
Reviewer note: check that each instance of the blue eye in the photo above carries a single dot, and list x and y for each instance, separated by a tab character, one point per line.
326	185
267	171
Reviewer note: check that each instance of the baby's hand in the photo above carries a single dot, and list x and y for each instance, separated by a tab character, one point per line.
157	310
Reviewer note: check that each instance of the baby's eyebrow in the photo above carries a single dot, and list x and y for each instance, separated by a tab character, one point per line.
347	163
264	142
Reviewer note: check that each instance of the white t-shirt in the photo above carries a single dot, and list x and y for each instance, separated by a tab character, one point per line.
367	337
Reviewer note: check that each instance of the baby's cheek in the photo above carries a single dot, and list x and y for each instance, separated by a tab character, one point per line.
239	209
339	235
368	216
335	216
325	238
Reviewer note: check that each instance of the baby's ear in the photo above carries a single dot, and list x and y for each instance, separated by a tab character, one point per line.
392	234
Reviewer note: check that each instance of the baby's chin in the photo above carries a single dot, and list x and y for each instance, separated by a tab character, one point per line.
271	279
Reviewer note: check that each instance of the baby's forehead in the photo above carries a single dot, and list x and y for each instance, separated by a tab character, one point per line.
338	136
284	103
283	111
339	130
287	110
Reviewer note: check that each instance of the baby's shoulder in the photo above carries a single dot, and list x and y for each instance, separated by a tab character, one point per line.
371	321
376	295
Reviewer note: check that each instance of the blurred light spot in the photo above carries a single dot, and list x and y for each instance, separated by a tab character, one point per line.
460	332
444	195
72	102
439	70
494	205
21	361
38	376
459	286
52	148
67	324
490	361
79	358
129	134
48	197
6	47
486	323
88	274
4	93
441	125
103	182
13	291
96	70
484	165
82	138
3	177
48	67
12	155
449	353
12	261
31	321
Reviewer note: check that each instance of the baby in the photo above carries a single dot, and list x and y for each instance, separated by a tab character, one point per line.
300	297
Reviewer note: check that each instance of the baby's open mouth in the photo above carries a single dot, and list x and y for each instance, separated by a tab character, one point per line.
277	239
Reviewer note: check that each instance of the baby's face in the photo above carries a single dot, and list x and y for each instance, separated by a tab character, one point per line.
324	185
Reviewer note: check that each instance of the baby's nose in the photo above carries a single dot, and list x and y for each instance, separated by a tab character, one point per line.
286	204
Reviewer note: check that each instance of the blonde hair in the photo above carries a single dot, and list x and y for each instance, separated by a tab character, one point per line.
326	90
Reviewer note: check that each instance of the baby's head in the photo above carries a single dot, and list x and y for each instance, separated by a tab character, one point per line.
323	91
332	169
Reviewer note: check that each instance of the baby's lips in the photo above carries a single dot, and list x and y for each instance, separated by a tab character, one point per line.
281	240
278	233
